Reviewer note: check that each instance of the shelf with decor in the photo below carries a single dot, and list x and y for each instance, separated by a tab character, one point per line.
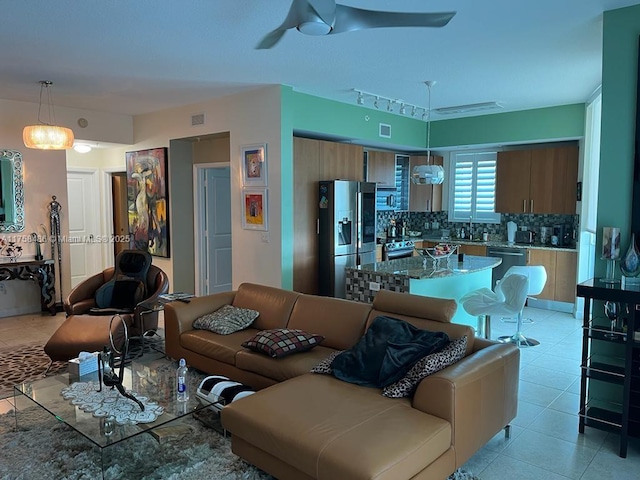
610	365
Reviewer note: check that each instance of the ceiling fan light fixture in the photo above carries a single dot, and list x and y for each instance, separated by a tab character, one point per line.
314	27
47	136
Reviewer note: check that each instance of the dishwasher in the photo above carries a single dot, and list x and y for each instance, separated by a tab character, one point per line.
510	257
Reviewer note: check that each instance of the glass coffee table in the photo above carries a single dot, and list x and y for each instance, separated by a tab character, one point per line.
154	379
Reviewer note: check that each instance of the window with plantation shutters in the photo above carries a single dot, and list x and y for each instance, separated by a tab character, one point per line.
473	187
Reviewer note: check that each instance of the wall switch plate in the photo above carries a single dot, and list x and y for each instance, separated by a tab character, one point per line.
3	289
264	237
374	286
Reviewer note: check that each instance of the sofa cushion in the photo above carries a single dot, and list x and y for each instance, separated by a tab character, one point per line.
324	367
281	369
337	420
280	342
226	320
340	322
219	347
426	366
274	304
386	352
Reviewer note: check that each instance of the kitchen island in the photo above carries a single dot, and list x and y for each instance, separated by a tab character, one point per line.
447	278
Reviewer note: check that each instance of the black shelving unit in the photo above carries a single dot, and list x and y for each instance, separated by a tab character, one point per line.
618	364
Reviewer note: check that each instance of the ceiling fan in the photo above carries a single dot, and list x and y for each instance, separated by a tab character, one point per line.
325	17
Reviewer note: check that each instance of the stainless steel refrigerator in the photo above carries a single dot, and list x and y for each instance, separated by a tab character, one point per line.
347	229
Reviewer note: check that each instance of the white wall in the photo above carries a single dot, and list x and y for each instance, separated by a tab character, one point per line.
44	176
250	118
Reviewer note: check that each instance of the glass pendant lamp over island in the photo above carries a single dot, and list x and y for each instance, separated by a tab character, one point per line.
428	174
47	135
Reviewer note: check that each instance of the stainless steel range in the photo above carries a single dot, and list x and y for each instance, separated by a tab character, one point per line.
397	249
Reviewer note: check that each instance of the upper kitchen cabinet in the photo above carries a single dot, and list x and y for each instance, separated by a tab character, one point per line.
316	160
424	198
539	180
381	168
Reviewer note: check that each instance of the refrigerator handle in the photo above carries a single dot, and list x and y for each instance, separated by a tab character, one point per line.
317	226
359	220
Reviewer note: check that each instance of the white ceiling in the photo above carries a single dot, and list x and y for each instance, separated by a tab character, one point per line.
139	56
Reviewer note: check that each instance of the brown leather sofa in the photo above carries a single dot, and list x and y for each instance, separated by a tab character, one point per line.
309	426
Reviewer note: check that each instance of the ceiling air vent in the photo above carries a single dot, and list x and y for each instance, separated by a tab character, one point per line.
197	119
385	130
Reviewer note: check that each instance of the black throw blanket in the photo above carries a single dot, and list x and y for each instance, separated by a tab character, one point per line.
386	352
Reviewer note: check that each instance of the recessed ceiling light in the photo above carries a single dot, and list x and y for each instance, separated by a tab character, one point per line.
82	148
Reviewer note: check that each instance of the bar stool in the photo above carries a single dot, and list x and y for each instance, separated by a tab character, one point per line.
508	300
537	280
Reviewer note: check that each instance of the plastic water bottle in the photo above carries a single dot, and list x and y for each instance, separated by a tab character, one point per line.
181	382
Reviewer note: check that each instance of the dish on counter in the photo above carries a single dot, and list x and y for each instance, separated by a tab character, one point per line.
413	233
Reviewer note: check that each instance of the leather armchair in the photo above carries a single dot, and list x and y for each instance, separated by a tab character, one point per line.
81	299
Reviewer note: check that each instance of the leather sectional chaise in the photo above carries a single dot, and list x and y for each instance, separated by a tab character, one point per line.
302	425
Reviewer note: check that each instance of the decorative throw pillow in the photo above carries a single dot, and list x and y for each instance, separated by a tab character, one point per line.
226	320
280	342
324	367
426	366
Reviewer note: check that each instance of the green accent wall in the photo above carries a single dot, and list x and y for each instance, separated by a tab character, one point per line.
286	149
621	29
526	126
328	117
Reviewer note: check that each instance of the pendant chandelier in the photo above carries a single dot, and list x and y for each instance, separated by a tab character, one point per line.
428	174
47	136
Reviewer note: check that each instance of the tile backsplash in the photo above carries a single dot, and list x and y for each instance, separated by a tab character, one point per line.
433	221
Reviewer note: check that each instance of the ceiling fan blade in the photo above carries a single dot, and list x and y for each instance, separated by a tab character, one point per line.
270	39
349	19
325	9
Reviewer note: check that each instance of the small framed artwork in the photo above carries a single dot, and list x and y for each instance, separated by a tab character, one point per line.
254	211
254	165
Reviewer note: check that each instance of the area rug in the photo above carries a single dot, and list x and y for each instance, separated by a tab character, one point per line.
28	362
24	363
44	448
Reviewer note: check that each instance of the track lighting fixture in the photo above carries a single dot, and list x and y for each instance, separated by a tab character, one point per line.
404	106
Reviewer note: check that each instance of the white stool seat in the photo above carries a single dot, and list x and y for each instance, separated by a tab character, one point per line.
508	299
537	280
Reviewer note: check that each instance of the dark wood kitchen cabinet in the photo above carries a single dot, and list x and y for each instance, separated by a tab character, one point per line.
561	267
381	168
424	198
315	160
541	180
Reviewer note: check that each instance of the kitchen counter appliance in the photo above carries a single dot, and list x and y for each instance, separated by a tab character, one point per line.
526	237
397	249
346	229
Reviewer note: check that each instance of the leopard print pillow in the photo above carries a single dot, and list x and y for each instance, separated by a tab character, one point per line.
324	367
427	366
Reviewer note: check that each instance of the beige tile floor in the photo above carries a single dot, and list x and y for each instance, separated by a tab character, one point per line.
544	444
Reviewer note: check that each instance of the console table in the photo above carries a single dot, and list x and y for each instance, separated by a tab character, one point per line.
39	271
610	358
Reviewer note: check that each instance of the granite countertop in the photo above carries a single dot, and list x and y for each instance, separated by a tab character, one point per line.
415	267
490	243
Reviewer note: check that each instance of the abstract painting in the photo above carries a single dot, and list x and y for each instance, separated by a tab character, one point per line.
254	214
147	199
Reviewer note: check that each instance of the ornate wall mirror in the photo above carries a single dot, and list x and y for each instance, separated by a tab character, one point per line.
11	192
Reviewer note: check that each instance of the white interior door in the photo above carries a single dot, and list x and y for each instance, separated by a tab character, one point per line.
84	219
214	229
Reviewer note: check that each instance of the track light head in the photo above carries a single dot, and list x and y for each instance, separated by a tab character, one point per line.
375	102
360	98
